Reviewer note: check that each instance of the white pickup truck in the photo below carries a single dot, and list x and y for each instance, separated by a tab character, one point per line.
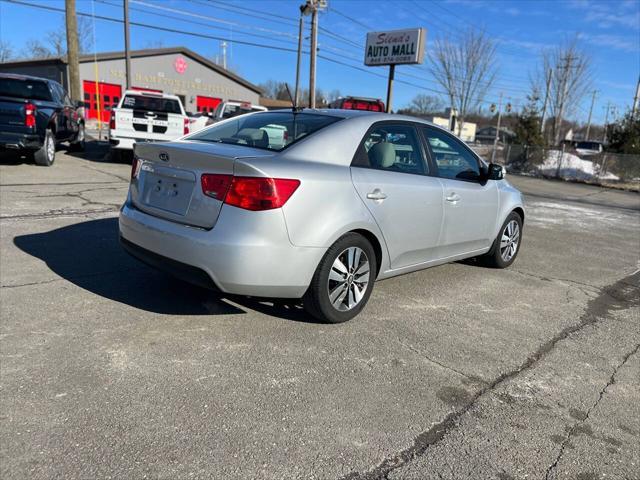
146	117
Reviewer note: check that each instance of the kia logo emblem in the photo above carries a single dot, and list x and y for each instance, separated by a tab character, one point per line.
164	156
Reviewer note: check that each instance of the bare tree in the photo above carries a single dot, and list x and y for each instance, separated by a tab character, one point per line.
56	44
423	104
466	69
333	95
6	51
571	79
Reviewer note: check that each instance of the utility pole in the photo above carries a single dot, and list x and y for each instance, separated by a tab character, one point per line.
606	120
636	99
314	47
495	140
568	64
223	47
72	49
300	32
127	54
593	99
546	99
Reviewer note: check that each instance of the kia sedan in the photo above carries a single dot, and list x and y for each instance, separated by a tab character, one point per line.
345	199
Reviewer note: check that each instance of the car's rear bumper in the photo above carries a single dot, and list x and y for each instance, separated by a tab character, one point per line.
246	253
19	141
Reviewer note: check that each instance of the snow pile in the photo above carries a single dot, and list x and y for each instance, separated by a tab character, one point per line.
572	167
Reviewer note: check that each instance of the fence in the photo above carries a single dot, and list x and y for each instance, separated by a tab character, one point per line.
611	169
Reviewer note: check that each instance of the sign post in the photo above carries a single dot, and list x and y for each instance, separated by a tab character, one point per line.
394	47
392	72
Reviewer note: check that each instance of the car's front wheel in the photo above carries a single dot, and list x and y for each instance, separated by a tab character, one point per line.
507	245
343	281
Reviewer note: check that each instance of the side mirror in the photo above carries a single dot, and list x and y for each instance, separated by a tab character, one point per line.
496	172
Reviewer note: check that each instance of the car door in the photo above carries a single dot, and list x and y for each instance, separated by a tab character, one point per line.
393	178
70	114
470	201
62	109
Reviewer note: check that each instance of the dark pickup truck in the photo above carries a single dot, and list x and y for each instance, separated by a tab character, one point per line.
35	115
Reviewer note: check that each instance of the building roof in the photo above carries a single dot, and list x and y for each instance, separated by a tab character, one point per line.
149	52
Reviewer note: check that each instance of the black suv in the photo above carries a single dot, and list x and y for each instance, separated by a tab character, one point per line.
36	114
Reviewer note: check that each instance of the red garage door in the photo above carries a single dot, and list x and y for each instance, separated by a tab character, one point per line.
106	98
207	104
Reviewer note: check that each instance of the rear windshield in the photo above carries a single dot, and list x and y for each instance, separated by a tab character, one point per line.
235	110
268	130
588	145
29	89
151	104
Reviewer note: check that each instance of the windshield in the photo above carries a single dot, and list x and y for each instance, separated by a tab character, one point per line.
269	130
151	104
235	110
29	89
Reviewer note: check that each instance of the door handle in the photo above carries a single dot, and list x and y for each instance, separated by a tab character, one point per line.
453	198
377	194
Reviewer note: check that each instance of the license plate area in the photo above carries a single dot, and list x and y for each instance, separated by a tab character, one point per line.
168	189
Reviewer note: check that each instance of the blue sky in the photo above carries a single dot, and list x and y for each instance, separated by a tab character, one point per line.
609	31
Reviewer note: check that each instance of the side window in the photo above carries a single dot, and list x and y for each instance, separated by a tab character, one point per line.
453	159
55	93
392	147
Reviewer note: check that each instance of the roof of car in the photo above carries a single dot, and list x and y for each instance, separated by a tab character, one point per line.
380	116
19	76
144	93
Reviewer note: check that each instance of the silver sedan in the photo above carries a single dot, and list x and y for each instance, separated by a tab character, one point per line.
316	204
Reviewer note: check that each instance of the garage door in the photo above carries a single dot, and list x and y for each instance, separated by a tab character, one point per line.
103	100
207	104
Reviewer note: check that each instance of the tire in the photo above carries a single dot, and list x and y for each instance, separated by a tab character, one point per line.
498	256
46	155
79	144
354	276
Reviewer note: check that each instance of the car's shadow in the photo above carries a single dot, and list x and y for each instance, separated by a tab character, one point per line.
89	255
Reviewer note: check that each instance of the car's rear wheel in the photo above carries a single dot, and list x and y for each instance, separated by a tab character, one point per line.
507	245
46	155
343	281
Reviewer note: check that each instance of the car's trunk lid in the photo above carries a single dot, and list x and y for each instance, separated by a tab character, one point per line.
168	182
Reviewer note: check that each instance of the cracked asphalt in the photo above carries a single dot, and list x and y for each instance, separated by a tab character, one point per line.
109	369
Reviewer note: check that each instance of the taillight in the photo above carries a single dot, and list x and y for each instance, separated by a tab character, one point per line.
30	115
112	121
215	186
285	136
186	126
250	193
135	164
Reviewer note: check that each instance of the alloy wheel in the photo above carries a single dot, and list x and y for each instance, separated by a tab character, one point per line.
348	279
51	147
509	240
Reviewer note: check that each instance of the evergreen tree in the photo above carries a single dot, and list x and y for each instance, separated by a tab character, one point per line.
624	136
527	127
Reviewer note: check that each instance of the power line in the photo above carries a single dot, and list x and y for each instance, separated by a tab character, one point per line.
155	27
193	22
242	42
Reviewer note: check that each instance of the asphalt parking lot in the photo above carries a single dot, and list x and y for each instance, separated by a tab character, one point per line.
112	370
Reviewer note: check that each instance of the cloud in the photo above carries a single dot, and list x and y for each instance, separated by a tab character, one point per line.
610	14
611	41
619	86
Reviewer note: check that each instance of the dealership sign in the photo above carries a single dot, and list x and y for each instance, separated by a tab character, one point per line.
395	47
